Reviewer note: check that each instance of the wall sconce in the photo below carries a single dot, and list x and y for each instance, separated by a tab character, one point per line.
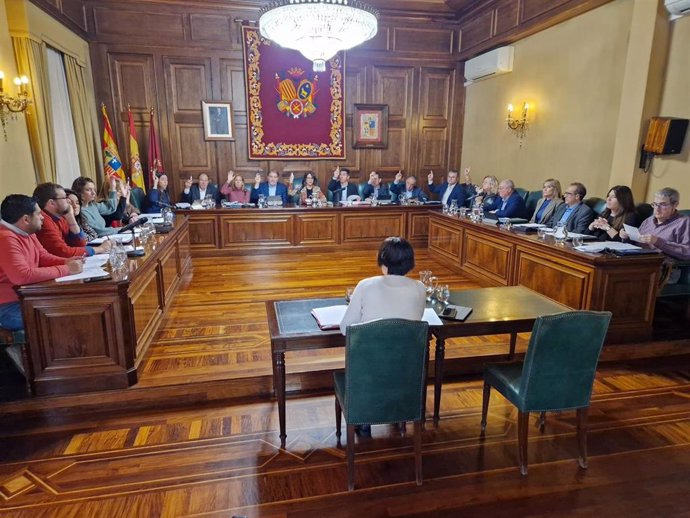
10	105
518	126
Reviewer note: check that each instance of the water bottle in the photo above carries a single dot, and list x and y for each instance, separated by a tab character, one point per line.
262	201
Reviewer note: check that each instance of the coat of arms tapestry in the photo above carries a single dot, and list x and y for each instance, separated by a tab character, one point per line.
292	112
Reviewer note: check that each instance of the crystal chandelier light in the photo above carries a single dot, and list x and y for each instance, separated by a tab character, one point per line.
318	28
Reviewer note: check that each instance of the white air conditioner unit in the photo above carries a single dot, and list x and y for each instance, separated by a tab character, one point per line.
677	8
493	63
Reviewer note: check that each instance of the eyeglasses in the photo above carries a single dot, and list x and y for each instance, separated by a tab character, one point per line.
661	205
63	198
566	193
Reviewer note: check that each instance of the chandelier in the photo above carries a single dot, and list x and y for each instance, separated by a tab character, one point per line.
318	28
10	105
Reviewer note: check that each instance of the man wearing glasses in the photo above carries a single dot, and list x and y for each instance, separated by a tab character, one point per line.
666	230
575	215
60	234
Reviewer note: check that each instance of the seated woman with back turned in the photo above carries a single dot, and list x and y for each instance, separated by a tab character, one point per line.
547	204
391	295
620	209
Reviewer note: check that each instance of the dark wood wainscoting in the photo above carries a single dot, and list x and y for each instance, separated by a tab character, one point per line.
626	286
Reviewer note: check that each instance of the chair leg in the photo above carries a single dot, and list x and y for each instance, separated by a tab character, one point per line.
541	422
350	457
582	436
418	451
485	405
523	421
338	421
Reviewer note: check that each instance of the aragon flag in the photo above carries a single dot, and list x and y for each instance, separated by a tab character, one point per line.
111	157
135	169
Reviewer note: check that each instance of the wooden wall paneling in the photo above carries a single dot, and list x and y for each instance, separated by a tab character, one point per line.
424	40
457	117
203	231
269	230
213	28
74	11
394	86
70	13
533	8
147	303
418	229
507	16
188	82
477	30
445	241
317	229
144	26
169	274
382	40
435	108
234	154
355	93
359	228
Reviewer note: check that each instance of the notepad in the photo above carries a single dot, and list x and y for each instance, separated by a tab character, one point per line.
331	316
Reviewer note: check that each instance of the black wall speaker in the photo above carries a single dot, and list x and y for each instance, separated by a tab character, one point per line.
665	135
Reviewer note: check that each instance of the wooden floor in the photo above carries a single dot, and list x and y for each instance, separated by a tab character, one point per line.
223	460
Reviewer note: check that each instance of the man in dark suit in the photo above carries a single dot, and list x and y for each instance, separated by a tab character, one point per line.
271	187
508	204
407	190
575	215
193	192
340	185
374	186
449	190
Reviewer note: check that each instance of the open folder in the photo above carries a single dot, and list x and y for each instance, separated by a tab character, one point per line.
331	316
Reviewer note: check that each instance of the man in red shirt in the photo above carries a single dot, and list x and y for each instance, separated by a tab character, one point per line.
60	234
23	259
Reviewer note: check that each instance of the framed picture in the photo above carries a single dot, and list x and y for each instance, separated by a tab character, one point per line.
370	126
217	120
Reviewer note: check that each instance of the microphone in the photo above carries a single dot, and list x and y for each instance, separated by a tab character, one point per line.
133	225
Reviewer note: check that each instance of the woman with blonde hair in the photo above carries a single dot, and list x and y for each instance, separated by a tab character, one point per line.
234	189
547	204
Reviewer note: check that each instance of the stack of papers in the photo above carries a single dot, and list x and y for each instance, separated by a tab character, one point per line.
182	205
331	316
603	245
120	238
530	225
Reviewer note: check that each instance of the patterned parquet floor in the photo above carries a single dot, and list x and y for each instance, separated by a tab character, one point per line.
222	460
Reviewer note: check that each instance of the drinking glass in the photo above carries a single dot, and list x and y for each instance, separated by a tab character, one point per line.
210	202
443	294
541	233
431	287
454	207
577	241
424	276
560	234
261	202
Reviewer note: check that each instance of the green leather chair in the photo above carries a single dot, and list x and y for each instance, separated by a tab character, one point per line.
557	373
531	203
137	198
384	381
596	204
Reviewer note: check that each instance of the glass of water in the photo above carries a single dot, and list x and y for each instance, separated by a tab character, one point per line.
443	294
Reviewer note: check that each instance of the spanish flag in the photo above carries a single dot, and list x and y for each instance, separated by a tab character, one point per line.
111	157
134	162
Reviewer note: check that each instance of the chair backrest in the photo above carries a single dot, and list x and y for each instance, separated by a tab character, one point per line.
596	204
360	189
643	211
561	360
522	192
531	203
385	371
684	212
137	198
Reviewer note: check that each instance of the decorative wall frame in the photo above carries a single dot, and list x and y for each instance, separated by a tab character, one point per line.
218	120
370	126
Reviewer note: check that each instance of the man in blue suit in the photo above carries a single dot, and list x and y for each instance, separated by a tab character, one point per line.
374	186
449	190
271	187
575	215
508	204
193	192
407	190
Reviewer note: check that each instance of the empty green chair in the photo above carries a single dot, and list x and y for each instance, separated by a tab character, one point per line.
384	381
557	373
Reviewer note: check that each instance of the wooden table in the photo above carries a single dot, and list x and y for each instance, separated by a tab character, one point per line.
625	286
84	337
495	311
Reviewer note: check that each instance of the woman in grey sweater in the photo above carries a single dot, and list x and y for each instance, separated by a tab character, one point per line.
93	211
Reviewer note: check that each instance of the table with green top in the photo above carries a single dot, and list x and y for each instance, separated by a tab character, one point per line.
504	310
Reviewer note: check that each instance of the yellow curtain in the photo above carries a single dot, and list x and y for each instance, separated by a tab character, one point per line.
31	61
85	131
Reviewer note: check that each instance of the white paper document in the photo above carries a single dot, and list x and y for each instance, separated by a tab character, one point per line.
633	232
183	205
331	316
87	273
529	225
600	246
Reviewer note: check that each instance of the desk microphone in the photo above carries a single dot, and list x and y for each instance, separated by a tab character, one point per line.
133	225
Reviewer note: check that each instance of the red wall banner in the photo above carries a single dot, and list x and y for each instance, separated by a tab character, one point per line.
293	113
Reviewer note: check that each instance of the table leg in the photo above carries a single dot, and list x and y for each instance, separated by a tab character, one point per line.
438	376
279	387
513	341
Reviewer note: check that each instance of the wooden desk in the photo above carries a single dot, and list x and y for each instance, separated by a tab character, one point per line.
626	286
293	229
87	337
496	311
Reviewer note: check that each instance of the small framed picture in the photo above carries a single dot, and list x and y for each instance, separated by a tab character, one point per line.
217	120
370	126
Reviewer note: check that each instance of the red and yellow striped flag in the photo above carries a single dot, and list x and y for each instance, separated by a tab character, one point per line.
111	157
135	169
